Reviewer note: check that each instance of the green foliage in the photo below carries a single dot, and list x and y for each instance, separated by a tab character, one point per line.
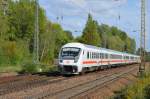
69	35
34	68
139	90
3	21
104	33
17	30
106	37
21	19
90	34
147	92
13	52
31	68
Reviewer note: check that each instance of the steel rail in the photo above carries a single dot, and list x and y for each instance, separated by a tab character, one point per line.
68	92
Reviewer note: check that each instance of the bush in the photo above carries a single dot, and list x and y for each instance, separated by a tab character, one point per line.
13	52
147	92
31	68
35	68
120	94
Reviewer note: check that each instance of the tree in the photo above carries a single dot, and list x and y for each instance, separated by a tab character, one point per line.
104	33
114	31
133	46
69	35
90	35
47	44
22	19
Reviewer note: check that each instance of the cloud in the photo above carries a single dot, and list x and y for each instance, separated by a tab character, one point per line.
82	7
75	12
79	3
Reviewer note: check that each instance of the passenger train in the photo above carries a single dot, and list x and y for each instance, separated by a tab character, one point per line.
77	58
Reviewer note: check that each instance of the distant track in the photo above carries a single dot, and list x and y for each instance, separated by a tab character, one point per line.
28	82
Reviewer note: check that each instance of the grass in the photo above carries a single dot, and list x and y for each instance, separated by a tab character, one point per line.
36	68
139	90
27	68
10	68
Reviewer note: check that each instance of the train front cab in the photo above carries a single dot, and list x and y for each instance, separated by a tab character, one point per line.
69	58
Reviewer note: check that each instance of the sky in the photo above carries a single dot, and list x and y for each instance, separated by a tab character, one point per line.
72	15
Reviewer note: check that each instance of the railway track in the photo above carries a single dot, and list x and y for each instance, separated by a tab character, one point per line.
28	82
83	88
39	82
80	88
100	83
12	78
18	83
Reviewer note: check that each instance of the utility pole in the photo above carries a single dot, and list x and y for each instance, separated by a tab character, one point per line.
4	6
142	40
36	34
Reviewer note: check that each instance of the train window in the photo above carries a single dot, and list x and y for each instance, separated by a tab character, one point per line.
102	56
106	56
127	57
132	57
93	55
96	55
88	55
124	57
112	56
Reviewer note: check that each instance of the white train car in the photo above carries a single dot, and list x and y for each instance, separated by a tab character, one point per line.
75	58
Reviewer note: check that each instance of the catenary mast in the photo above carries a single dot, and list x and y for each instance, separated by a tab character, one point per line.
142	40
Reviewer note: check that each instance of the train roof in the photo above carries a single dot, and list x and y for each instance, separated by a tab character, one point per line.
80	45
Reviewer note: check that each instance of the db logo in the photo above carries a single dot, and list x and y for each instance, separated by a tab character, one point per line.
67	62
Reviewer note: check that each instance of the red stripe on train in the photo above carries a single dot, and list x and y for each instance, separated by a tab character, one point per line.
94	62
89	62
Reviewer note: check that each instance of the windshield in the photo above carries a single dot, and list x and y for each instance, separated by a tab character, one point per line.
70	52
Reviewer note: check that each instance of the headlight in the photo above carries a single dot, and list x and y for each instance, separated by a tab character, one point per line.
75	69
